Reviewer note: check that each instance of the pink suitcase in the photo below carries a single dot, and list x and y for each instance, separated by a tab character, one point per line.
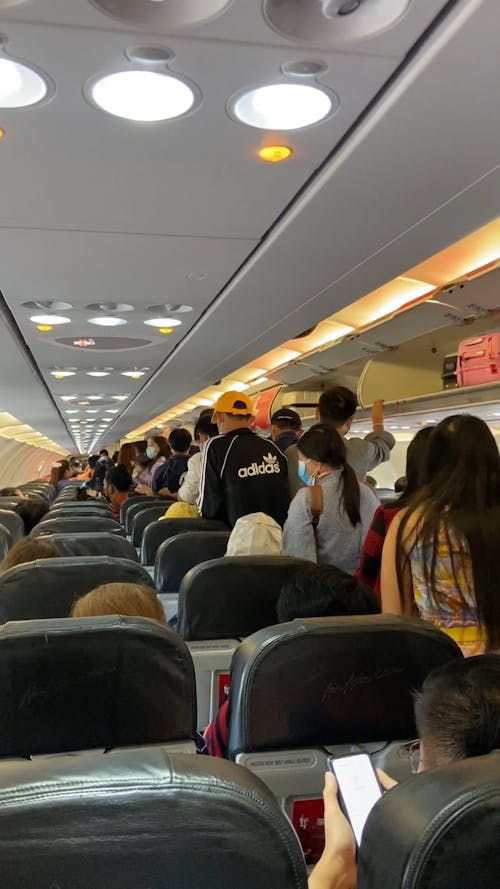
479	360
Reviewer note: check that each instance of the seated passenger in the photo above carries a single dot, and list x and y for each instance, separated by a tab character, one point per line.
256	534
12	492
286	428
368	570
337	407
189	490
318	591
167	480
458	716
440	553
31	512
180	511
29	550
117	485
60	475
333	530
157	452
129	599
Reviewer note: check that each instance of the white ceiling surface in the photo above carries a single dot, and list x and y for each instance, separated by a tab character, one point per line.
99	209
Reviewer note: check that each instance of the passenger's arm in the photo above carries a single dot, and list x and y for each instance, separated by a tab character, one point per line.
211	500
298	532
370	560
394	599
189	491
381	441
336	868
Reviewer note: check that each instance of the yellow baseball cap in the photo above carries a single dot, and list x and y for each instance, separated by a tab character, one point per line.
233	403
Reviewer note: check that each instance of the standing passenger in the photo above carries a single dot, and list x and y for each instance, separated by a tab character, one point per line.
241	472
189	490
440	553
286	427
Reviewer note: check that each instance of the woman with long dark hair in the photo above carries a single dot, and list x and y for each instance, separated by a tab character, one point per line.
328	526
157	452
60	474
440	556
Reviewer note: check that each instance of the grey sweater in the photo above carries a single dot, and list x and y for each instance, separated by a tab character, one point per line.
363	454
336	541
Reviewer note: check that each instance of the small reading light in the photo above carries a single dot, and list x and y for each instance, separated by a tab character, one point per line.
273	154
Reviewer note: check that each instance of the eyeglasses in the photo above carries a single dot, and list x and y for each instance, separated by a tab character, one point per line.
411	751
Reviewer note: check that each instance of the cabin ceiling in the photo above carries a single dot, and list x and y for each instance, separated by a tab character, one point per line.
96	209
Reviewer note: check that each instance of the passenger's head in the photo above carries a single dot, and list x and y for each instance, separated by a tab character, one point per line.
130	599
29	550
114	458
93	461
255	534
458	711
285	420
11	492
371	482
337	406
127	456
60	472
321	450
117	484
31	512
461	499
157	446
232	411
180	441
204	430
400	484
416	461
103	453
324	591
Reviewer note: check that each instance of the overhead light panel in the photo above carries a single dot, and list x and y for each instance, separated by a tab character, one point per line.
20	85
163	322
60	374
133	374
282	106
68	397
106	321
120	397
142	95
97	373
48	319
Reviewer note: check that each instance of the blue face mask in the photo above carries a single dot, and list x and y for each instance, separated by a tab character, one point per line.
304	475
151	452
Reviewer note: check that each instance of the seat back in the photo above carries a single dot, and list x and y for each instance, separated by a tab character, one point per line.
142	518
62	512
98	682
88	544
177	555
47	588
157	532
132	506
13	522
75	524
5	541
142	818
233	596
76	506
438	829
342	684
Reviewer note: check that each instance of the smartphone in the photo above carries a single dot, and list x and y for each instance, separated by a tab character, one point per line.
359	788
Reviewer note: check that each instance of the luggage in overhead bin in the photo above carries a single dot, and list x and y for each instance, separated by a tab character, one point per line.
449	374
479	360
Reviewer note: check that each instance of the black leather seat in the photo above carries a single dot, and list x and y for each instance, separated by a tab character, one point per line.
437	830
93	683
89	544
13	522
73	506
61	512
139	520
142	819
234	596
137	503
47	588
331	680
5	541
75	524
177	555
157	532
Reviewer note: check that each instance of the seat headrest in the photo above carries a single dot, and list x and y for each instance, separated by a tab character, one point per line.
13	522
89	544
233	596
438	829
177	555
331	680
47	588
71	524
143	818
158	531
96	682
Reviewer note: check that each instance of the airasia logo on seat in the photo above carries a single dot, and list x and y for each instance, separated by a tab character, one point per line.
269	465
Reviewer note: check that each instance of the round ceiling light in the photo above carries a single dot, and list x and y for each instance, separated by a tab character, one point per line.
47	305
162	15
20	86
142	95
94	397
60	374
176	308
134	374
283	106
109	307
97	373
109	411
49	319
106	321
163	322
68	397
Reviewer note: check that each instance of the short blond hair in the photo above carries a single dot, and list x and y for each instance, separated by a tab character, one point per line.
130	599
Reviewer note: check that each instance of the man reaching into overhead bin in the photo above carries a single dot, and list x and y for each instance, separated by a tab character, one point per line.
241	472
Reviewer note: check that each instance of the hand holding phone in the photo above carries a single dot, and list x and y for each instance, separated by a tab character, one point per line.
359	788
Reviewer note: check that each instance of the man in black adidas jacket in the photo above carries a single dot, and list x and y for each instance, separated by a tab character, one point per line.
241	472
